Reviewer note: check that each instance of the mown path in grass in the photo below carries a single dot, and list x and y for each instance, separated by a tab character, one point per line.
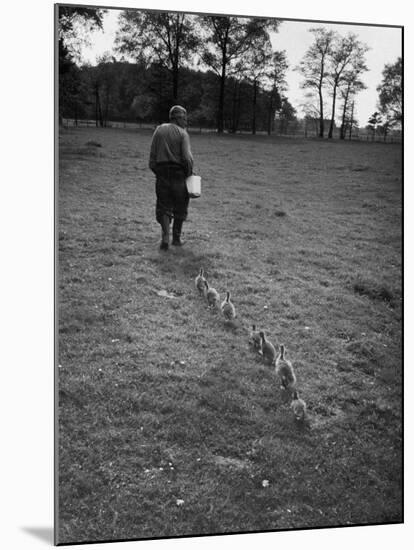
169	424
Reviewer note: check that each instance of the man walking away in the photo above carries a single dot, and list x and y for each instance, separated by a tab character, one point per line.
172	162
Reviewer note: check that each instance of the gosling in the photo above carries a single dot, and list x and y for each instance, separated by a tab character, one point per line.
267	349
199	282
298	407
228	309
255	339
284	371
211	294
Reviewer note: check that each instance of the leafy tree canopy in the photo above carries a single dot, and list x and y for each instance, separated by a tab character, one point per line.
390	92
74	25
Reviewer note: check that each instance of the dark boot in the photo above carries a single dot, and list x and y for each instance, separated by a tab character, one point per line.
177	226
165	232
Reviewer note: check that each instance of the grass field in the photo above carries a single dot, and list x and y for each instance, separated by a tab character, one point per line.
169	424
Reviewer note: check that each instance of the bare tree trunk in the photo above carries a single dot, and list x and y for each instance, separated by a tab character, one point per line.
343	129
321	121
175	84
101	122
234	110
254	106
351	124
238	109
96	105
331	125
106	109
220	113
270	114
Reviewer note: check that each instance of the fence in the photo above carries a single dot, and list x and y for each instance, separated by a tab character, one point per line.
72	123
296	129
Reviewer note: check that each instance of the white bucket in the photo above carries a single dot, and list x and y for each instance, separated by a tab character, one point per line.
194	186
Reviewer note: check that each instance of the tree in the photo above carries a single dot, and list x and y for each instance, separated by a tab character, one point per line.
105	87
236	96
346	52
258	60
347	118
227	40
352	122
310	113
286	114
72	22
158	86
350	86
276	85
256	65
374	122
390	93
71	91
314	67
168	39
68	81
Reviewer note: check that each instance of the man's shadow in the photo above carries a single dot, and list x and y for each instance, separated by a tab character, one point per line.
181	261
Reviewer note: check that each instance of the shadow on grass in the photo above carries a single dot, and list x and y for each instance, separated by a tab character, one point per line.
374	291
185	262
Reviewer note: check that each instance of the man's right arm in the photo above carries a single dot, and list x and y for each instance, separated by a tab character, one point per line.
187	155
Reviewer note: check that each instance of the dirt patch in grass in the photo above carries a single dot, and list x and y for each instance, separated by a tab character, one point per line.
92	143
374	291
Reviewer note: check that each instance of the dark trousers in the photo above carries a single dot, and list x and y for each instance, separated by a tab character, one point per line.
171	192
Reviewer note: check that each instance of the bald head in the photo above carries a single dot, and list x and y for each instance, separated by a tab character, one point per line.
178	115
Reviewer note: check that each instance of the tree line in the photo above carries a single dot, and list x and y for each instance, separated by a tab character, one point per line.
123	91
223	69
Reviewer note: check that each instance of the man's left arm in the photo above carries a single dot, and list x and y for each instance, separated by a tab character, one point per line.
153	153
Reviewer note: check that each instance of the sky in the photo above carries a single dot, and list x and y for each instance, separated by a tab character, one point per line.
385	45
